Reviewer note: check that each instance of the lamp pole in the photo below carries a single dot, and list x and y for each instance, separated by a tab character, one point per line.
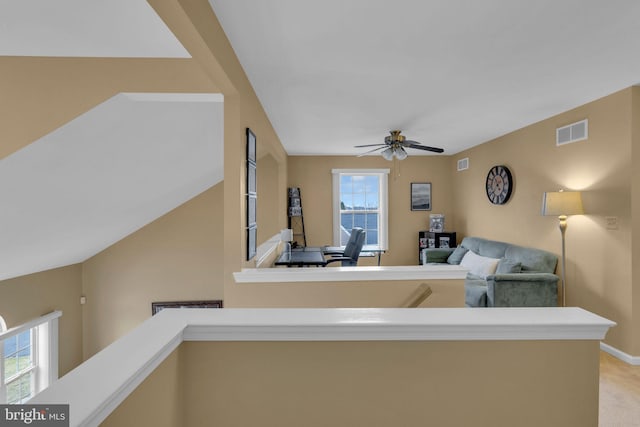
562	203
563	227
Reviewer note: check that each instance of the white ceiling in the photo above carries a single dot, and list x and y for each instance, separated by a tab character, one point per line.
330	74
113	28
335	73
104	175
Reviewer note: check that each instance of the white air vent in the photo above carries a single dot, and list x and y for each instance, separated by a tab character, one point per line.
578	131
463	164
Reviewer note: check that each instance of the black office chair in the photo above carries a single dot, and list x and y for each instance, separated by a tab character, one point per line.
351	252
339	251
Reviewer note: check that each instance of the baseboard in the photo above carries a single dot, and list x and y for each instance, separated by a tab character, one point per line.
627	358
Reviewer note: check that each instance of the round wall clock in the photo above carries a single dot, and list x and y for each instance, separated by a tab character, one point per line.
499	185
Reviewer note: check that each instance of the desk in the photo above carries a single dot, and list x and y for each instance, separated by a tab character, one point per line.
372	250
302	257
367	250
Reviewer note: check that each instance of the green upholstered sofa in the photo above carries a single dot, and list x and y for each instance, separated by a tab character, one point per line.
502	274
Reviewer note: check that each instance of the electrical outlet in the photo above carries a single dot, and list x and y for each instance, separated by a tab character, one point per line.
612	222
83	300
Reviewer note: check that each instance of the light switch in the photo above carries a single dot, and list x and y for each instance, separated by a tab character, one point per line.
612	222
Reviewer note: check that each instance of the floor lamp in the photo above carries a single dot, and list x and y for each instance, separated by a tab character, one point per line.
560	204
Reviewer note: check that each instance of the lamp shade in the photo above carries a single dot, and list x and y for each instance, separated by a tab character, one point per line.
558	203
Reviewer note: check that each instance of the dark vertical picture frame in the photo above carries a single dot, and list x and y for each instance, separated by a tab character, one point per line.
252	234
251	211
420	196
252	196
251	179
251	146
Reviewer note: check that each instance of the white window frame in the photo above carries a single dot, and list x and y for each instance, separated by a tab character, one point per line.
383	220
44	351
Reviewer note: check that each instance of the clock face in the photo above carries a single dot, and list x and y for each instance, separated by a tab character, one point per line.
499	185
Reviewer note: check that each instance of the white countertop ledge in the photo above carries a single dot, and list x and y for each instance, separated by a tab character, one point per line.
350	274
347	324
98	386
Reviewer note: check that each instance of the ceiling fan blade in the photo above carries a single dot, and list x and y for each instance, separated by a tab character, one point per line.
413	144
370	151
368	145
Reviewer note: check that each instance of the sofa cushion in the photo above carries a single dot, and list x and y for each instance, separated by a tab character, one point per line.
437	255
506	266
532	259
484	247
457	255
479	265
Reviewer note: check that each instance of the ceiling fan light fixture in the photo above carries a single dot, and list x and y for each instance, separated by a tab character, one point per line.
400	153
387	153
394	146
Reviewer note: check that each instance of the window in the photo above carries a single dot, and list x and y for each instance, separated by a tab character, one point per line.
360	200
19	366
29	358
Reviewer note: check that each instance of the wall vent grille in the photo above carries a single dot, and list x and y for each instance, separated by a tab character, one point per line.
463	164
578	131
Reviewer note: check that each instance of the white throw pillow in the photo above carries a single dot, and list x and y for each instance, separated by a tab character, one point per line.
479	265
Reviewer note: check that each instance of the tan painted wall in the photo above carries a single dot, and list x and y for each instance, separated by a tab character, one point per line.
313	175
507	383
41	94
28	297
287	384
391	383
177	257
598	260
196	26
446	293
269	213
180	256
635	207
157	402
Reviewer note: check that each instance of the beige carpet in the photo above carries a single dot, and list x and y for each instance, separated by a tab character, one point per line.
619	393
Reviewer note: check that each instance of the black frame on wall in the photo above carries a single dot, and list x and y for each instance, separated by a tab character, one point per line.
420	196
252	195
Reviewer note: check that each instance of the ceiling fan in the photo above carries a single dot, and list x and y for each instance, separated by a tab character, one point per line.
395	144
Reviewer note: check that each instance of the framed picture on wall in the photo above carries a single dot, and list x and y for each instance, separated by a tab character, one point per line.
420	196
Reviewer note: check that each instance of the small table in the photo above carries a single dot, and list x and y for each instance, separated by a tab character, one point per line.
302	257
